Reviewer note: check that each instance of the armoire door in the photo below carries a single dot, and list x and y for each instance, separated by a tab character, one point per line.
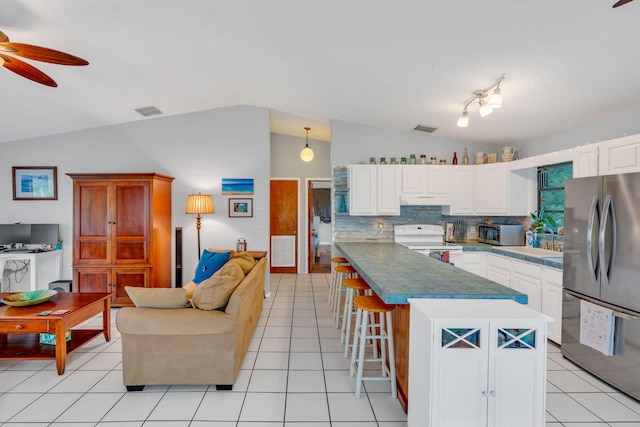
130	222
92	228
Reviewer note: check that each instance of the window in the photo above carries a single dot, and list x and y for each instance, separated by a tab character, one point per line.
551	190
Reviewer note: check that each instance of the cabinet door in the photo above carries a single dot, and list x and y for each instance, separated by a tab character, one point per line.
551	303
388	190
92	230
499	269
527	278
460	372
620	156
92	279
414	180
130	222
475	262
438	180
362	190
462	190
517	368
585	161
492	187
121	277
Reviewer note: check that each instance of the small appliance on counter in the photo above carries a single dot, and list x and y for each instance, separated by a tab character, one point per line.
427	239
501	234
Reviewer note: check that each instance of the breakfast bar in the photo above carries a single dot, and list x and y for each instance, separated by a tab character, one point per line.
396	274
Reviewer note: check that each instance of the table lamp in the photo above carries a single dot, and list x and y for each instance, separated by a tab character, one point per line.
199	204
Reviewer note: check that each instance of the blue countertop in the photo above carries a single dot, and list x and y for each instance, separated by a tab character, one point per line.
484	247
396	273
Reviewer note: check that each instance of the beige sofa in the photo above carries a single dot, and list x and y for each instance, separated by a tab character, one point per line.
188	345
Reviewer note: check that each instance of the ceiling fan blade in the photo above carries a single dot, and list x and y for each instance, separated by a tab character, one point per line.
26	70
3	37
45	55
621	2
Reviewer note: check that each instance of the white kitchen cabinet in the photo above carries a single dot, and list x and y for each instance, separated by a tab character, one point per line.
499	269
462	191
526	277
476	363
492	185
476	263
362	190
552	301
620	155
585	161
426	185
374	190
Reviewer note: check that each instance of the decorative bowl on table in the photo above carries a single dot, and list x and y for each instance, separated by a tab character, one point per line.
23	299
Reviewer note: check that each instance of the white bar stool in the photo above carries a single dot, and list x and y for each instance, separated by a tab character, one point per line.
352	286
336	261
365	305
343	272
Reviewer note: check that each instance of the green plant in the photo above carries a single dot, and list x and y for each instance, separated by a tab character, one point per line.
541	221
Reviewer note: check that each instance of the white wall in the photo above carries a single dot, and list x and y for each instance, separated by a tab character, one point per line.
198	149
614	126
353	143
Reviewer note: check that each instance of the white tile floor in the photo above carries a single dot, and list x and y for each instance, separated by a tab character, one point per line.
294	374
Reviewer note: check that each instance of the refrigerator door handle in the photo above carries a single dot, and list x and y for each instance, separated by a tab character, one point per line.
592	217
608	211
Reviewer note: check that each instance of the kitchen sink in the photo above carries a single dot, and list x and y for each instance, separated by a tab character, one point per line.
534	252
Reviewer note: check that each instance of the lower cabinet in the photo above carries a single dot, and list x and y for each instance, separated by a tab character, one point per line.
527	278
113	280
476	263
499	269
552	301
476	363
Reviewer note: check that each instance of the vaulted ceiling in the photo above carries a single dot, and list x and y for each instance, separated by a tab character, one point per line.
390	64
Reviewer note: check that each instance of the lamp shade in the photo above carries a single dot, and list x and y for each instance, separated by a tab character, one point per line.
495	100
306	154
199	204
463	121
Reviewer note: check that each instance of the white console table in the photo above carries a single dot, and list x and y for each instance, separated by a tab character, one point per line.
476	363
44	267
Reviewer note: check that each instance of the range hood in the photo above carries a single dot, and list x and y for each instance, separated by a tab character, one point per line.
417	200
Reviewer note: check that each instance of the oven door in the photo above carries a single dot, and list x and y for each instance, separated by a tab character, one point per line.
453	257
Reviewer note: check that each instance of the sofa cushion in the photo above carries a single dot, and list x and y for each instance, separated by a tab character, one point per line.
157	297
244	260
190	288
214	292
209	263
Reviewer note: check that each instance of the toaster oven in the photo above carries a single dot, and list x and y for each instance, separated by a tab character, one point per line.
501	234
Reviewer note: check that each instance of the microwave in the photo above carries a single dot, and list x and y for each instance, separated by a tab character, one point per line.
500	234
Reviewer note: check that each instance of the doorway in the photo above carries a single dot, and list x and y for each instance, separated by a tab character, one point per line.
319	225
284	225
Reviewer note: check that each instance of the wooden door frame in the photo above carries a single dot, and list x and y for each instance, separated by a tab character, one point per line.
307	222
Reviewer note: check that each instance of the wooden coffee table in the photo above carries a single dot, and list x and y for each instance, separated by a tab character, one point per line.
20	328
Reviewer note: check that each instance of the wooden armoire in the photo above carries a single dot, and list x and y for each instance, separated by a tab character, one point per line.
121	232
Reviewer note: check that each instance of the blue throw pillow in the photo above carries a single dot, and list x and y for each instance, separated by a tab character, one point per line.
210	262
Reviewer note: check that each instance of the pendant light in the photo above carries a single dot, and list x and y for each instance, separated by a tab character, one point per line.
307	153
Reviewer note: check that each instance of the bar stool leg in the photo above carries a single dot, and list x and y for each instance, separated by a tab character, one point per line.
363	332
392	357
355	341
346	317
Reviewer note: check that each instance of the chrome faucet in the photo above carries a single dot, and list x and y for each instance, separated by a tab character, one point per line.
553	243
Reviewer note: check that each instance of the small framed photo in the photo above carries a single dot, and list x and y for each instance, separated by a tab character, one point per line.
240	208
35	183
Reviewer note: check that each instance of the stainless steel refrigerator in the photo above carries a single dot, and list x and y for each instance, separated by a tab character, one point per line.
602	267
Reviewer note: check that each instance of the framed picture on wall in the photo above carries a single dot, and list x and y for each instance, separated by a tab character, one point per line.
240	208
35	183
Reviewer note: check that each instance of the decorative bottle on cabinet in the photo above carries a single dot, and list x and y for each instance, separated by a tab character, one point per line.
455	158
465	157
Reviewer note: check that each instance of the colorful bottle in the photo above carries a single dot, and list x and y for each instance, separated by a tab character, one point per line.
455	158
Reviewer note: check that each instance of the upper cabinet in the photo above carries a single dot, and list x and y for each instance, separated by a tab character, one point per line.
462	191
585	161
620	155
426	185
374	190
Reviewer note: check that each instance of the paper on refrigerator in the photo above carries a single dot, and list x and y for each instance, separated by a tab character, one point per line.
596	327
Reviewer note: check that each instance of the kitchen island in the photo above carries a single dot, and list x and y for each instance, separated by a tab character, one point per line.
396	273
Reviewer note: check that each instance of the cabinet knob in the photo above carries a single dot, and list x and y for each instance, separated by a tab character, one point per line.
19	326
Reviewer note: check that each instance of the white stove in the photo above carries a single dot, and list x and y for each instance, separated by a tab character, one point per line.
427	239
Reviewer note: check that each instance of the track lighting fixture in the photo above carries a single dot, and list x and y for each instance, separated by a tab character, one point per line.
486	106
307	153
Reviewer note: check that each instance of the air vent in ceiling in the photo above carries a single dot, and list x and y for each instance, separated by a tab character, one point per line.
425	128
148	111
